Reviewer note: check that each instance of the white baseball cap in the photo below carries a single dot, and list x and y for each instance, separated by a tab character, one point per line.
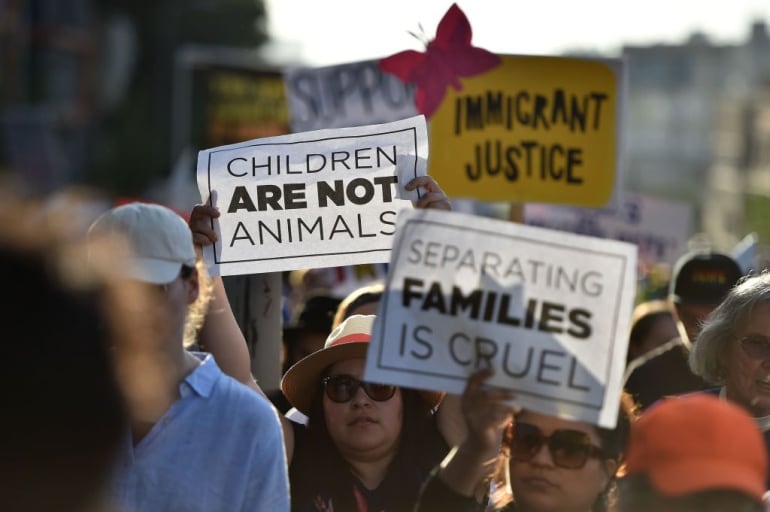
160	240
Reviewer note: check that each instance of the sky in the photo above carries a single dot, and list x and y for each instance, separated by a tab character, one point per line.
324	32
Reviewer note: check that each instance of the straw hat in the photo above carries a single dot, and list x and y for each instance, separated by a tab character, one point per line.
350	340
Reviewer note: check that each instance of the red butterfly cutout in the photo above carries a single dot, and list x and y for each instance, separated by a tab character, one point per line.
446	59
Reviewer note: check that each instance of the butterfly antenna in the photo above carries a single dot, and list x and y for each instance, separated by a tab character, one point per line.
420	35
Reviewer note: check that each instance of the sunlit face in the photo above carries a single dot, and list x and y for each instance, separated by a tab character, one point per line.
540	486
362	428
690	318
747	378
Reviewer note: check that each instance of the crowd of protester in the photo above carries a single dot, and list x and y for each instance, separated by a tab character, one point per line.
109	405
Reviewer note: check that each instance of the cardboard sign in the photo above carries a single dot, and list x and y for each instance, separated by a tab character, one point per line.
543	129
315	199
352	94
659	228
547	311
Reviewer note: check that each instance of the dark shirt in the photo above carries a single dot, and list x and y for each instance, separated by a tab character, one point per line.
279	400
321	484
436	496
662	372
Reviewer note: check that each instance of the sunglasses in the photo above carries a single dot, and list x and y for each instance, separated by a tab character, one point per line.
342	388
756	347
569	449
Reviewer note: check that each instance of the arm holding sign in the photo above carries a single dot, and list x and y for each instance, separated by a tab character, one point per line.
487	413
220	333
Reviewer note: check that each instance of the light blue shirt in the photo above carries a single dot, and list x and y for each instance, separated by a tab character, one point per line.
218	448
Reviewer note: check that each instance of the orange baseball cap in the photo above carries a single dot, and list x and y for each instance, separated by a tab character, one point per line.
695	443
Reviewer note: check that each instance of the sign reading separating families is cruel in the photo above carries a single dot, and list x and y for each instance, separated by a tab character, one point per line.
313	199
547	311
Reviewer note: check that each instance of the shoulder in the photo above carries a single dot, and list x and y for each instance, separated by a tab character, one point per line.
655	358
239	402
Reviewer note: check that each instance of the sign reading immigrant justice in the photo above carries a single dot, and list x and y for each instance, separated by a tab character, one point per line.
544	129
548	311
314	199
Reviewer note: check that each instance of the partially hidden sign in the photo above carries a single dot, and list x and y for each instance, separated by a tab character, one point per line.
353	94
542	129
314	199
548	311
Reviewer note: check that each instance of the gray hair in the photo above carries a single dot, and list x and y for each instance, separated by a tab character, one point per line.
721	327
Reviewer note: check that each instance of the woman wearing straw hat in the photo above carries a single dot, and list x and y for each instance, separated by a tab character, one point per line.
366	446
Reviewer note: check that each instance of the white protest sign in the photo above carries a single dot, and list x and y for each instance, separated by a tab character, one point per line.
548	311
314	199
353	94
660	228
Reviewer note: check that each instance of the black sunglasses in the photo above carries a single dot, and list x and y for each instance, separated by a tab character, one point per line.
756	347
342	388
569	449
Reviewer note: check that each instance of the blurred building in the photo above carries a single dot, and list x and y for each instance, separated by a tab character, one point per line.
86	85
738	188
695	117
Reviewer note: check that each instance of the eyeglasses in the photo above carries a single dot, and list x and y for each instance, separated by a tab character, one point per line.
756	347
569	449
342	388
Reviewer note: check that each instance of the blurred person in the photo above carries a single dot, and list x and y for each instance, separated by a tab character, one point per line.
362	301
652	325
198	440
694	454
733	350
306	334
700	281
62	411
551	464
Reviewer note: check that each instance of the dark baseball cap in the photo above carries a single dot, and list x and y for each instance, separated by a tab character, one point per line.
703	278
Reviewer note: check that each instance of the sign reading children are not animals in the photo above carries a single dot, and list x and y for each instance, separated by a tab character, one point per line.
314	199
547	311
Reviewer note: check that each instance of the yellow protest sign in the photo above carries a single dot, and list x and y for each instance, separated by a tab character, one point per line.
541	129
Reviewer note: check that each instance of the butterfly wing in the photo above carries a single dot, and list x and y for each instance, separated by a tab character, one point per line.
454	29
471	61
403	64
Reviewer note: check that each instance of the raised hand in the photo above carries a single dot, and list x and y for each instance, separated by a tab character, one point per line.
433	196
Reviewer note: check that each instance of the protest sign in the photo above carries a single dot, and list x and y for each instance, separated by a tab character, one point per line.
314	199
223	96
353	94
544	129
548	311
660	228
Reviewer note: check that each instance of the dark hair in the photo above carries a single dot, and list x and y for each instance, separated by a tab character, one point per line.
318	468
358	298
644	318
636	494
63	416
